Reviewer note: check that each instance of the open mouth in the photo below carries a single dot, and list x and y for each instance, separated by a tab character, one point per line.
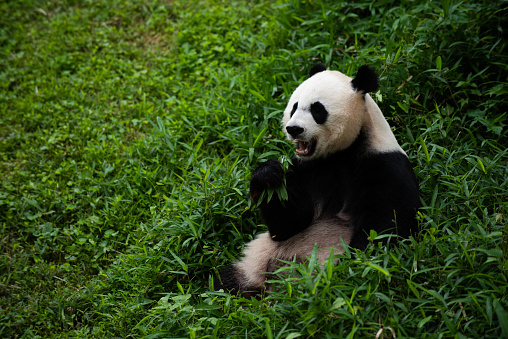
305	148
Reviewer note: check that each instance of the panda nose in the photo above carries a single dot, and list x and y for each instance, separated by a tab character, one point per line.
294	131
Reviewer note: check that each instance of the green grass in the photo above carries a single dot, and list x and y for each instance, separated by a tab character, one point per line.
128	131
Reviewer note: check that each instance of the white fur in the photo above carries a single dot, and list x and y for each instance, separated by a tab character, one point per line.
380	134
254	264
348	113
260	252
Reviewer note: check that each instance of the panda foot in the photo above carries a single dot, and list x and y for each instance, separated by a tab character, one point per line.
230	281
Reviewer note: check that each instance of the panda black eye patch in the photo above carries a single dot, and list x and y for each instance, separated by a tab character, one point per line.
319	112
295	106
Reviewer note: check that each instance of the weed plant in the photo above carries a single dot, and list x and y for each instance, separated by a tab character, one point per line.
128	131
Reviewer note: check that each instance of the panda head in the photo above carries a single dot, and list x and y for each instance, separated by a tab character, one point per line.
326	112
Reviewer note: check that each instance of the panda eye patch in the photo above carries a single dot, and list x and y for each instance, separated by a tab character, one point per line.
295	106
319	112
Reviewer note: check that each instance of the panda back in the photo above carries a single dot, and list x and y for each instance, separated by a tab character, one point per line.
379	133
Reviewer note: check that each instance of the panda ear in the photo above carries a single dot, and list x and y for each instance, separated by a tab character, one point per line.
366	80
316	69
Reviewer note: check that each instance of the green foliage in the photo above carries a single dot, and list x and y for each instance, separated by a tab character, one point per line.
128	131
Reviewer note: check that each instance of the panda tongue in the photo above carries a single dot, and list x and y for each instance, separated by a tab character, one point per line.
302	147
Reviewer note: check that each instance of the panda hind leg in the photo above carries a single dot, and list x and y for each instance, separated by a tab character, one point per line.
249	274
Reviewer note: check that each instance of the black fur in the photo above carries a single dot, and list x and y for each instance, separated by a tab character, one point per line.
366	80
231	281
228	280
295	106
316	69
319	112
269	175
373	189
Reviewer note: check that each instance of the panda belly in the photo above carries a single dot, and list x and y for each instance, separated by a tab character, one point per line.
262	255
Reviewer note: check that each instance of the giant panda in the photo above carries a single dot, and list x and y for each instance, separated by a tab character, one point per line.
349	175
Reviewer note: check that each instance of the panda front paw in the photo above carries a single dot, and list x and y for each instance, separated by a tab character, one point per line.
268	175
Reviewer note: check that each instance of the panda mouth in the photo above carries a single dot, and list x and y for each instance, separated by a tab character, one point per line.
305	148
